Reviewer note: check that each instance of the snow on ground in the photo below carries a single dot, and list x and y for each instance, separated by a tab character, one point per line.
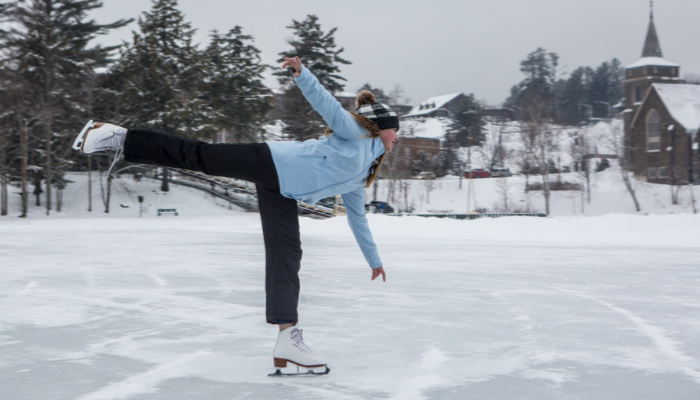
121	307
124	201
608	195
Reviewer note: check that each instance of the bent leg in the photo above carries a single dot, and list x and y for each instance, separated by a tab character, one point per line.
280	223
248	161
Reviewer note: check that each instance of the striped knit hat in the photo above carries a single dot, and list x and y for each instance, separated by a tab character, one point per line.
379	113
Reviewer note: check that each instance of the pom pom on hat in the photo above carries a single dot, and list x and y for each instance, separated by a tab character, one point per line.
365	97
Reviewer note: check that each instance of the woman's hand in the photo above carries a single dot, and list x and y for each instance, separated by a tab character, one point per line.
378	271
293	63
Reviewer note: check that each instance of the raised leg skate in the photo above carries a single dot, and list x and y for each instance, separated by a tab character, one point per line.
294	358
107	137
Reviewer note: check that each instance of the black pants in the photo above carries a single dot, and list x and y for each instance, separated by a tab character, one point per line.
279	215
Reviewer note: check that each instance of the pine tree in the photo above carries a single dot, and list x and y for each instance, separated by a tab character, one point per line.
466	129
157	82
46	47
605	88
466	125
540	69
234	88
574	96
317	50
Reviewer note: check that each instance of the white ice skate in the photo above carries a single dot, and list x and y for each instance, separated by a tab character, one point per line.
106	137
291	349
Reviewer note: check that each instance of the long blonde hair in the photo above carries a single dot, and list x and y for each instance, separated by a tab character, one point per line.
373	130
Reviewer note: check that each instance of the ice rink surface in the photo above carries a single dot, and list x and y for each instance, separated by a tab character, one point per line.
588	308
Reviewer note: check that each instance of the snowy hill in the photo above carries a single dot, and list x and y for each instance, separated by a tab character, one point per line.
608	195
124	200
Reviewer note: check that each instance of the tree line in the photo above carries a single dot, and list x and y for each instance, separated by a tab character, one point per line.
568	99
53	79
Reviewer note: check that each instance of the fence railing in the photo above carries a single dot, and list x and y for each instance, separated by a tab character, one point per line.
469	216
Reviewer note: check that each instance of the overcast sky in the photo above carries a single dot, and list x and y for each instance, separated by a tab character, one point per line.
439	47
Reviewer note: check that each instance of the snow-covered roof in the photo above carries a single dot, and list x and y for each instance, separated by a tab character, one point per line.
432	104
683	102
652	62
431	128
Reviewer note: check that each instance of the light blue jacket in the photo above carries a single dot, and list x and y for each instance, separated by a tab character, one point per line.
338	164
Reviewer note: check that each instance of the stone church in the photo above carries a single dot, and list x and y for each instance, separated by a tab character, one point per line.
662	117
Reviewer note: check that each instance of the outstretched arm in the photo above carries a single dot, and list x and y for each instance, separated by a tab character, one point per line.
355	207
339	119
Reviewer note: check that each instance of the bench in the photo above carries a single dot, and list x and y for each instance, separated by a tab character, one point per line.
167	211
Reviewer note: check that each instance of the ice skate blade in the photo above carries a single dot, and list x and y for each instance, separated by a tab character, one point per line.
78	144
280	374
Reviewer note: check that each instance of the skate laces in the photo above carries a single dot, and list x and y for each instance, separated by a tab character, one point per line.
114	162
113	141
299	341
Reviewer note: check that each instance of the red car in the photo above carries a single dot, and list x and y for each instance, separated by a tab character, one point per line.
478	173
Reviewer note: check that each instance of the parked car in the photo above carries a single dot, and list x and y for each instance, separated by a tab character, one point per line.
381	207
478	173
425	175
501	172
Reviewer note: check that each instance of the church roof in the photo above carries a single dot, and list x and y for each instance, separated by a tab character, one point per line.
652	62
651	54
683	102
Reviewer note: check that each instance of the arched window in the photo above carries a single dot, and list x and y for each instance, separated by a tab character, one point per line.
653	131
637	93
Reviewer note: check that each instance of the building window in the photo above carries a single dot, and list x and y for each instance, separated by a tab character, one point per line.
656	70
663	172
652	173
677	172
653	131
637	93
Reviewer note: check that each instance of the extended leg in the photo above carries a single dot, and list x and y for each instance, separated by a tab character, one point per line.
250	161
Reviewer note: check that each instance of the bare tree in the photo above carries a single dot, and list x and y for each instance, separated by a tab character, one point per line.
106	192
539	140
503	189
580	151
426	162
397	96
4	170
390	170
89	182
616	141
404	188
493	149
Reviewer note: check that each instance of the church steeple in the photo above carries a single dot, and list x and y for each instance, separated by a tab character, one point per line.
652	47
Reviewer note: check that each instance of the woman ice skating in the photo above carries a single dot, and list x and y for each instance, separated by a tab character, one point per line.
344	161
